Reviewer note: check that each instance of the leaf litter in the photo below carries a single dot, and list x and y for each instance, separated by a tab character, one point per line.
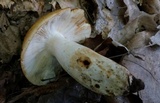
123	30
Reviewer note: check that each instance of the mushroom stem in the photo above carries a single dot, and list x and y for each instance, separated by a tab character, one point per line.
89	68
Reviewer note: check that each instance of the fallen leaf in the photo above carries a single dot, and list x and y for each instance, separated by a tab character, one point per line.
66	3
132	9
10	43
75	93
57	92
6	3
156	38
139	2
131	28
151	7
4	22
111	49
93	42
104	21
118	99
143	63
28	5
137	23
5	79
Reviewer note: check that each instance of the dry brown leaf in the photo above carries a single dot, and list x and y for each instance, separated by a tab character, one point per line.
6	3
156	38
4	22
66	3
93	42
137	25
105	17
138	21
143	63
151	6
37	91
6	78
132	9
75	93
65	90
10	42
140	2
119	99
21	5
30	5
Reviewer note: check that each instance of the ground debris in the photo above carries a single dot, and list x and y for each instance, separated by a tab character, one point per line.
132	23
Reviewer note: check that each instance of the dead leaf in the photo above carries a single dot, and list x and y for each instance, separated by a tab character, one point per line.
57	92
93	42
10	43
104	19
140	2
75	93
5	79
38	91
4	22
6	3
28	5
132	9
151	7
131	98
137	25
156	38
140	40
111	49
66	3
143	63
119	99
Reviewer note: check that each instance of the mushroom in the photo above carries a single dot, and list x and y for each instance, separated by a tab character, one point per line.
52	42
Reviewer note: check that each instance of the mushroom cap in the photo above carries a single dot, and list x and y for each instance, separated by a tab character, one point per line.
39	65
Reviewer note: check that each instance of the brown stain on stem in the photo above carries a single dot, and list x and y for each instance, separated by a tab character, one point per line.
84	62
80	60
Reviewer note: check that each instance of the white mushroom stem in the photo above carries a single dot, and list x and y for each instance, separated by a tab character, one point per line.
89	68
